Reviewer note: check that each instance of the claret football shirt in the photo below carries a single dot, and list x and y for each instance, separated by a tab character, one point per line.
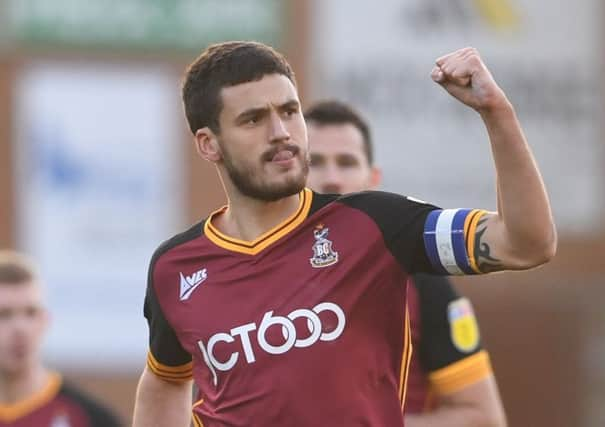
448	355
57	404
305	326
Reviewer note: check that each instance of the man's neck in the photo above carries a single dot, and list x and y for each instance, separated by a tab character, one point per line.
17	387
247	219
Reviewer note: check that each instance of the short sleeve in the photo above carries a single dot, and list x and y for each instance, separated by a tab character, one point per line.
401	221
166	358
421	236
450	345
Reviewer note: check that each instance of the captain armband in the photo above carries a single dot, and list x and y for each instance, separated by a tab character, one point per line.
449	240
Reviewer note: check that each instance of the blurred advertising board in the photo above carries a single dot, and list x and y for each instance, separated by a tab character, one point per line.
140	24
545	54
99	186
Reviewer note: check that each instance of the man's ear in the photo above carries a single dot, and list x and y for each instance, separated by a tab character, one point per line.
375	178
206	144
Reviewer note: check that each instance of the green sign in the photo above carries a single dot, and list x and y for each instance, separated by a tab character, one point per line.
135	24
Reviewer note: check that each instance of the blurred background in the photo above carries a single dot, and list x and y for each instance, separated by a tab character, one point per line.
97	167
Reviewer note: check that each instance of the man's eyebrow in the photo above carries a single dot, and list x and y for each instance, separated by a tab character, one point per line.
289	104
260	111
251	112
346	156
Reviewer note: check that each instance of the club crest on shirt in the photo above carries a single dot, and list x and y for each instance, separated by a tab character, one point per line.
464	330
323	253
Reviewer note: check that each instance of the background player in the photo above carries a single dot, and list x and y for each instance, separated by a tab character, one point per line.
30	394
280	257
450	381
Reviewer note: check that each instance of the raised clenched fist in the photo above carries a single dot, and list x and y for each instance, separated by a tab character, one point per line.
464	75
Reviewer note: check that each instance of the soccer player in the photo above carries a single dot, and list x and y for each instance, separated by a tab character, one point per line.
30	394
288	307
450	382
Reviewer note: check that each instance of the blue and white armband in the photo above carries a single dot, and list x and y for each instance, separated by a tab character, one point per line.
449	240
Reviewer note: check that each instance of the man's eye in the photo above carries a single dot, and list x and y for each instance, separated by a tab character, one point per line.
316	161
32	311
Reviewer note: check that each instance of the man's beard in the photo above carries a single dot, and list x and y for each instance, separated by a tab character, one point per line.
248	183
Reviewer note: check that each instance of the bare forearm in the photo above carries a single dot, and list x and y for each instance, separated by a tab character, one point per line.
454	417
162	404
522	234
476	405
523	203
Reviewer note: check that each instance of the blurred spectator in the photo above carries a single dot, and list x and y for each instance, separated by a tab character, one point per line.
31	394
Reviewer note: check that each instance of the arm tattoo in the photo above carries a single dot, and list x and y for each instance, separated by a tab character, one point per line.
485	262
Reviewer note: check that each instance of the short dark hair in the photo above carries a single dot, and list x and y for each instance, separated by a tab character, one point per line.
16	268
331	112
222	65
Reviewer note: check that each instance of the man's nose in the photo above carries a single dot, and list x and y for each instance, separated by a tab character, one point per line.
278	130
333	182
20	324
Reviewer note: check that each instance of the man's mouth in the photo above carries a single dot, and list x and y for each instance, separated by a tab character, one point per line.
281	154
